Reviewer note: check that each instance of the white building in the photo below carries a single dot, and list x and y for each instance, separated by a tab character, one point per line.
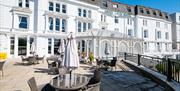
176	31
154	26
96	23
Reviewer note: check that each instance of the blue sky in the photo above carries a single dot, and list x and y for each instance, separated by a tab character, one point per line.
169	6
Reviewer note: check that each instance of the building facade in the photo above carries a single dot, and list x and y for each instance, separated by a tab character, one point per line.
96	23
176	32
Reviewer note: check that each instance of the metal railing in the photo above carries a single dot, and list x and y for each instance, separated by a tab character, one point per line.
165	66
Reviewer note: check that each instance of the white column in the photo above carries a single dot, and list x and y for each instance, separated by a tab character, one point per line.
94	48
54	24
52	46
28	46
16	46
46	23
87	48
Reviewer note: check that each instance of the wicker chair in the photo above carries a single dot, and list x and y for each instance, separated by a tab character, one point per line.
1	66
53	67
33	86
94	82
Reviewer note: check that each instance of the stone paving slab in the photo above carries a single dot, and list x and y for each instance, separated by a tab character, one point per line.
127	81
16	76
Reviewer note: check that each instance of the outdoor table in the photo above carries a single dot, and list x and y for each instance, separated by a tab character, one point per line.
69	82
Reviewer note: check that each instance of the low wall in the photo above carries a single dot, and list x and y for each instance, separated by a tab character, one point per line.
155	76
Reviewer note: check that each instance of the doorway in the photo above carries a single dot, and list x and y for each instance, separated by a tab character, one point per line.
22	46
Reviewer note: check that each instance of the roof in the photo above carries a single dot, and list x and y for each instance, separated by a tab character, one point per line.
129	9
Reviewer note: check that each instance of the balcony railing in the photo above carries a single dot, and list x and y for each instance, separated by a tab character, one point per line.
165	66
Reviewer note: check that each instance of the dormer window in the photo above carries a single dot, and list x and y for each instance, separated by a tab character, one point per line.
167	17
141	10
129	9
115	6
105	3
160	14
154	12
147	11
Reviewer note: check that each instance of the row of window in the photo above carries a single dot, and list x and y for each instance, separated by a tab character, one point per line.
58	23
56	45
157	45
158	24
83	26
62	8
84	13
153	12
22	45
158	34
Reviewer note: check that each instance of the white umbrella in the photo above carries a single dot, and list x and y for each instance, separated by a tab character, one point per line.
33	48
61	47
71	58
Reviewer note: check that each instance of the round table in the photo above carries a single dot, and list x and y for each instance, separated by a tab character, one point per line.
69	82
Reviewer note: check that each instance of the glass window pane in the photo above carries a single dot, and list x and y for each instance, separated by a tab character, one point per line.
84	27
23	22
57	7
63	8
27	3
20	3
79	26
63	25
49	45
79	12
57	24
50	23
51	6
84	13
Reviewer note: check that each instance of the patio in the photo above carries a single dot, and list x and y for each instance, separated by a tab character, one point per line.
16	76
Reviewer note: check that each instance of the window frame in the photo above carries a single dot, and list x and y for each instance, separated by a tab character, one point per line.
27	3
116	20
145	34
64	24
84	13
20	3
49	45
159	34
79	12
51	23
64	8
58	9
57	25
27	22
79	26
51	8
130	32
84	26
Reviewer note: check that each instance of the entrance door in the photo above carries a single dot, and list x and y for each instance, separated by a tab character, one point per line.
22	46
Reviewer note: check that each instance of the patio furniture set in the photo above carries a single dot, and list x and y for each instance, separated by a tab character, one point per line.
107	63
32	59
69	82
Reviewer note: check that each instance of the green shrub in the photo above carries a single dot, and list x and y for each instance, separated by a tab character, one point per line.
161	67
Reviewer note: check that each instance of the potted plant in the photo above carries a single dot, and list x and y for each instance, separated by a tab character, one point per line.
91	57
